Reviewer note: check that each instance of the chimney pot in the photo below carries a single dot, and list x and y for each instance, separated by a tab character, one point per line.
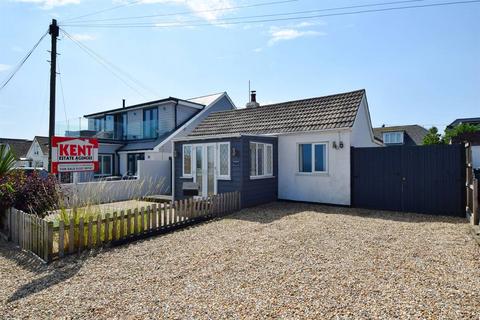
253	100
123	103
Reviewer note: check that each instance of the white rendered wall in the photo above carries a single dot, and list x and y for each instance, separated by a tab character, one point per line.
362	135
332	187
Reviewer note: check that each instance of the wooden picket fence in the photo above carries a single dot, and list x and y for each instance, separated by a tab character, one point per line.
50	242
31	233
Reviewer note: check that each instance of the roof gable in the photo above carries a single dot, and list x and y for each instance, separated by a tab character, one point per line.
322	113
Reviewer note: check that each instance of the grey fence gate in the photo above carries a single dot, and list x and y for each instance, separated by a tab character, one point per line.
424	179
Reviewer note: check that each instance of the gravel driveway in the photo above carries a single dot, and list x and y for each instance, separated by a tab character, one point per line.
281	260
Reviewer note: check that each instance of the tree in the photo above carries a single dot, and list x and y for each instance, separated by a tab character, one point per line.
7	160
458	130
432	137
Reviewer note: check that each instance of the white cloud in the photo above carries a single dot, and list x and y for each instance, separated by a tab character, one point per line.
258	50
49	4
4	67
83	37
17	49
210	10
306	24
284	34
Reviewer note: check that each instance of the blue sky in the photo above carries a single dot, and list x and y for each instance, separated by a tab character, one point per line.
418	66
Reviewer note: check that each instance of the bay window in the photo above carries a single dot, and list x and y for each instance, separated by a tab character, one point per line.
261	160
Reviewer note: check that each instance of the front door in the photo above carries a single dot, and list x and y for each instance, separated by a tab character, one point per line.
205	162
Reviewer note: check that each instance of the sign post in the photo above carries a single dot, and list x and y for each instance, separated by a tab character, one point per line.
74	154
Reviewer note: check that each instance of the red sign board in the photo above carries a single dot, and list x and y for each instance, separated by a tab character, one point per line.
74	154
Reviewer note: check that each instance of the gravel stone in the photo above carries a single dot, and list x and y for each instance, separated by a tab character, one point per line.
282	260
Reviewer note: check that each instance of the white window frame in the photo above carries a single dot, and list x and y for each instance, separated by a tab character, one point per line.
265	174
313	172
393	133
219	175
187	175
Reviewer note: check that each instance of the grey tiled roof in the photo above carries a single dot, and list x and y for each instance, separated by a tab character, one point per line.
414	133
328	112
19	147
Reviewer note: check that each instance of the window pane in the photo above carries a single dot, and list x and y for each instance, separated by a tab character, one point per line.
320	157
305	158
269	156
260	156
187	160
107	165
199	167
253	159
224	153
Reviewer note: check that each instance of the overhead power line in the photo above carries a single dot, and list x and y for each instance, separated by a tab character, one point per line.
103	10
173	22
21	63
182	13
109	66
264	15
223	22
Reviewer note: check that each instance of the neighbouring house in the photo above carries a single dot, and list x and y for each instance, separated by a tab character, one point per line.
473	121
471	137
409	135
144	131
37	154
19	148
295	150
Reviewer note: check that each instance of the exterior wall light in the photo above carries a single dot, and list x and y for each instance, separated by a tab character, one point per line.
235	152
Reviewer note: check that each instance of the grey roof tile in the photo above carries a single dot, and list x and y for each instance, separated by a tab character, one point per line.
19	147
328	112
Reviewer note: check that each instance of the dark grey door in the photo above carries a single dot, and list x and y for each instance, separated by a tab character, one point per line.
426	179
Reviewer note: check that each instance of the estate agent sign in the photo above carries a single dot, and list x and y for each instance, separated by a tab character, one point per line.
74	154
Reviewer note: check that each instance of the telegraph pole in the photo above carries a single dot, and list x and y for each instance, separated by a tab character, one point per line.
53	31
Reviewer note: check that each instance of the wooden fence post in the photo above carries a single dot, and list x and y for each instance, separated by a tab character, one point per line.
155	220
149	219
129	223
71	236
61	236
81	235
114	226
106	231
142	220
122	225
98	241
90	233
50	241
135	222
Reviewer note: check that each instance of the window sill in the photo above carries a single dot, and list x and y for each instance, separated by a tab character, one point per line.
224	178
261	177
186	177
313	174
